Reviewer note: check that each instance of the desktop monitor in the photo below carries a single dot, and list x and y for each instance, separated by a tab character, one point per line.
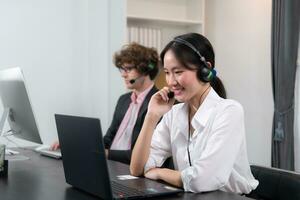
17	107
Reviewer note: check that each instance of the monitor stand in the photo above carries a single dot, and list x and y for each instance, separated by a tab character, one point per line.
6	113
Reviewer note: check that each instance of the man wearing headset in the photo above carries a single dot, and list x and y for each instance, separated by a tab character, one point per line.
138	66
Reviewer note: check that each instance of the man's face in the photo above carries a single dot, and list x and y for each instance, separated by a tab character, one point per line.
129	73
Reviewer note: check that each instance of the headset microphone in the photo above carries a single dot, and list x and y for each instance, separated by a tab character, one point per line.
150	67
132	81
171	94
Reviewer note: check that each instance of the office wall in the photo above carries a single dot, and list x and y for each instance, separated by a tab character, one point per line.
64	48
240	31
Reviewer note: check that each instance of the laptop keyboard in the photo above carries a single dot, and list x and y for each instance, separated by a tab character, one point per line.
54	154
124	191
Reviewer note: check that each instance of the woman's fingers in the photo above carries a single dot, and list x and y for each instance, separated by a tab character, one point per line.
164	93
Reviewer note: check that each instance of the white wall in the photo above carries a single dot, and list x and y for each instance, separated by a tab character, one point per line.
64	48
240	31
106	34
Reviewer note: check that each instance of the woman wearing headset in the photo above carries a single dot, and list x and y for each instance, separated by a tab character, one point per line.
204	134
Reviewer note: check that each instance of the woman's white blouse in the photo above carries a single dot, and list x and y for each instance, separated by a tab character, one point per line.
217	146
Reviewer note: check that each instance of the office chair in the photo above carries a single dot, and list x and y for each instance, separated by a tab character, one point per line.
275	184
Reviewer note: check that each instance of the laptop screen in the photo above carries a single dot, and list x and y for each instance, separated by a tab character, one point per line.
83	154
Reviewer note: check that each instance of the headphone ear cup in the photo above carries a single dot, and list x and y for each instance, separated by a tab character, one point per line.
148	68
151	66
204	74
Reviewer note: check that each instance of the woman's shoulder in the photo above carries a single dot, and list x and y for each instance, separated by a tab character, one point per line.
223	104
230	105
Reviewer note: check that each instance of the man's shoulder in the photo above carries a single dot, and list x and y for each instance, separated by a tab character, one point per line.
125	96
153	90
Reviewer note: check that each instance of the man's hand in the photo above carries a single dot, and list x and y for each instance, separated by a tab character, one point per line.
55	146
106	153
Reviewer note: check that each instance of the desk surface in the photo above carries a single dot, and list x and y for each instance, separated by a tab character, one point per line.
41	177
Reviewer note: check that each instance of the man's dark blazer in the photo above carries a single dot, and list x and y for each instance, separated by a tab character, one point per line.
120	111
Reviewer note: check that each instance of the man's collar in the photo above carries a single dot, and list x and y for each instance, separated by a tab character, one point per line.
138	98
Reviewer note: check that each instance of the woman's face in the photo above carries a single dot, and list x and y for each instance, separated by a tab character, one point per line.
183	82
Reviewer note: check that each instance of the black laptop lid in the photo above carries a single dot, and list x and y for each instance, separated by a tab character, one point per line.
83	154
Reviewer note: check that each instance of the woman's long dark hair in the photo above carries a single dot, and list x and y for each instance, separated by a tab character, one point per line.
187	56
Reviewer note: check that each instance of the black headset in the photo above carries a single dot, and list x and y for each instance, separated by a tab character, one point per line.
147	69
204	72
151	66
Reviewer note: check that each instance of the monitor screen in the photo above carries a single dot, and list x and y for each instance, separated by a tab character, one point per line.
17	106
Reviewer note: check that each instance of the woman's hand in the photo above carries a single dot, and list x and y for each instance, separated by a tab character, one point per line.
160	103
168	175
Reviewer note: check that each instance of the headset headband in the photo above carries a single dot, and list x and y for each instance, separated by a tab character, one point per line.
182	41
205	73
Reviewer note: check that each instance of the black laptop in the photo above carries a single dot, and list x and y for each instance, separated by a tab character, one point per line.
86	167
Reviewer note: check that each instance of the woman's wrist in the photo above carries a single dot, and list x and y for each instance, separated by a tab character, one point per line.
153	117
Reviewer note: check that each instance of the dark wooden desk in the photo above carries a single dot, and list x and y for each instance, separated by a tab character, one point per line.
42	178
